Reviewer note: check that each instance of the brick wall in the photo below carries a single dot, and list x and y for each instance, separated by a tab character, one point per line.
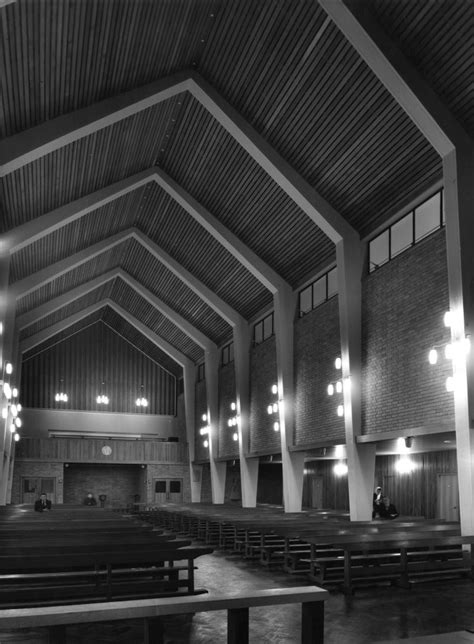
31	470
317	344
167	472
227	446
119	482
263	374
403	306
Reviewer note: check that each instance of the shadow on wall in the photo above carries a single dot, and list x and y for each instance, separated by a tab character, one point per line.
120	484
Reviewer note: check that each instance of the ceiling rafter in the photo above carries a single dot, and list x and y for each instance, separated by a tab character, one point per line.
32	144
398	75
32	231
166	347
38	279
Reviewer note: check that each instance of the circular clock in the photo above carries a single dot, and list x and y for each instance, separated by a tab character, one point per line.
106	450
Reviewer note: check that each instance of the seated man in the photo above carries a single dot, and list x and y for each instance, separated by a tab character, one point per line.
389	511
42	503
90	500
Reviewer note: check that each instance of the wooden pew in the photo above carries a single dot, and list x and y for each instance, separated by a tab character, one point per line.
152	610
34	579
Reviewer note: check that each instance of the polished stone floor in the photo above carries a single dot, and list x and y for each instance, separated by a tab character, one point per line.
371	615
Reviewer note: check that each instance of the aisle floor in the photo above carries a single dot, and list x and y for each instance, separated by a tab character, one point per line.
371	615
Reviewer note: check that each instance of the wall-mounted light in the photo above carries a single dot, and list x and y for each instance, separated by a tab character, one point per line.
276	426
340	410
16	437
404	465
206	443
338	363
141	401
235	436
204	418
274	389
340	469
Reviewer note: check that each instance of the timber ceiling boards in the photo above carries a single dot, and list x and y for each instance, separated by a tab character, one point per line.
77	305
65	333
285	68
438	38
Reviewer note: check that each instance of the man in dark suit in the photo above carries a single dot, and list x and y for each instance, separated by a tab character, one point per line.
42	503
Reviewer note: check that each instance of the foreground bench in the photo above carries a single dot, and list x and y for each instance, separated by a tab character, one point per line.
151	610
39	580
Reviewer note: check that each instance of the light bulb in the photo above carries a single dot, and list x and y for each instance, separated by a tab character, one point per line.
340	410
12	428
14	411
330	389
235	436
204	417
229	422
338	386
18	407
8	368
274	389
18	422
16	437
269	409
276	426
57	398
340	469
14	392
338	363
275	407
450	383
448	318
433	356
206	443
233	406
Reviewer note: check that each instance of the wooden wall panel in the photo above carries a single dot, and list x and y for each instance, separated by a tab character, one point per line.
83	361
84	450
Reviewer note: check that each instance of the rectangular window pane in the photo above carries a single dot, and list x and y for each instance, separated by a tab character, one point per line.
258	333
378	251
175	486
427	217
402	235
231	352
160	487
268	327
319	291
305	299
332	282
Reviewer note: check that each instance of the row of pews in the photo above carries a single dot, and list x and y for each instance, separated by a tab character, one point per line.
325	546
76	565
76	553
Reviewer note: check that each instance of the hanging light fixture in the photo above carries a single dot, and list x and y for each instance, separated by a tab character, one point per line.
60	395
102	399
141	401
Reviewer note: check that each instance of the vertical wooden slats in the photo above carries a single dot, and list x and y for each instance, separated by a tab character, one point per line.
87	358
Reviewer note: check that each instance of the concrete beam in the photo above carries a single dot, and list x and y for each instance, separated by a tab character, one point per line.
392	68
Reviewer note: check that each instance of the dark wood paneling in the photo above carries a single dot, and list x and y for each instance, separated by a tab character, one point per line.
85	450
95	355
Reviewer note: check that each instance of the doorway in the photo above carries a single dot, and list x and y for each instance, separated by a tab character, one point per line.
317	492
168	490
31	488
447	497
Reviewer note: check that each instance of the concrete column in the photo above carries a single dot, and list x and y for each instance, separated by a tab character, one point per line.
292	462
360	457
458	169
7	319
195	471
248	466
218	469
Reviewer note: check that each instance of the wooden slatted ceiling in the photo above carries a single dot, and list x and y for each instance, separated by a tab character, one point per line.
65	333
158	323
86	165
142	343
323	109
61	55
159	280
73	278
78	235
438	37
216	170
173	229
71	308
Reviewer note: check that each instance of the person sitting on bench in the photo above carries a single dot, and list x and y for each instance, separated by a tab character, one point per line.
388	510
90	500
42	503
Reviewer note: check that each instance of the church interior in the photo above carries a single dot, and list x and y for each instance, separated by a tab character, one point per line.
236	307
